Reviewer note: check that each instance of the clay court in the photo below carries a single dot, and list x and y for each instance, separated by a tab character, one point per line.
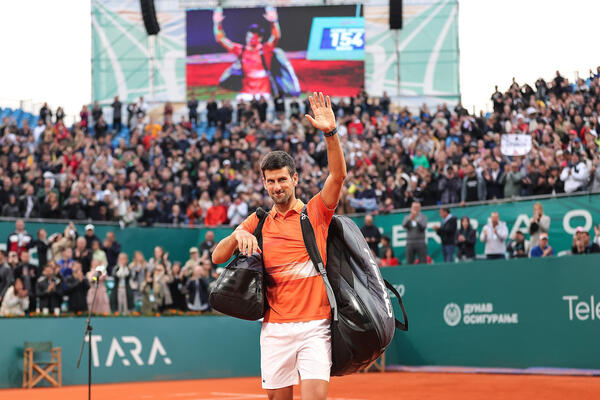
372	386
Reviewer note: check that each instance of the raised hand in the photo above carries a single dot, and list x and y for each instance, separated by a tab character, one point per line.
270	14
324	119
218	16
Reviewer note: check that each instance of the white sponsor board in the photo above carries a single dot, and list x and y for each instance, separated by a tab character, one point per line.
477	314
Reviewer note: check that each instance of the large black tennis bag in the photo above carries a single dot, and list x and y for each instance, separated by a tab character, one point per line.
362	317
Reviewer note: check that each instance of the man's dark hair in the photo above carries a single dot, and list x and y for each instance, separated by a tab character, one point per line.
277	160
446	209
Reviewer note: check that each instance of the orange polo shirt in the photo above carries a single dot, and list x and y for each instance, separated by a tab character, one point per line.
295	289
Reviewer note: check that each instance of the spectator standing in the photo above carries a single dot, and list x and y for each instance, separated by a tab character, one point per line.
121	297
473	186
177	287
49	290
385	243
574	174
237	211
192	106
98	255
518	247
208	245
543	249
447	233
371	234
149	305
16	300
197	289
112	248
137	269
538	224
77	287
101	305
416	225
466	239
160	288
90	235
6	274
82	254
96	112
194	260
20	240
117	106
41	244
494	235
28	275
512	180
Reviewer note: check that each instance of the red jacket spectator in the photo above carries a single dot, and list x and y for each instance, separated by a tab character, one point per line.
216	215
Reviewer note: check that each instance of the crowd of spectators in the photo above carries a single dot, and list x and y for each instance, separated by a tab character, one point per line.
69	264
176	172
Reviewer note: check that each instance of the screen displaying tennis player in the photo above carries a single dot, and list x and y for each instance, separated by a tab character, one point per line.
264	52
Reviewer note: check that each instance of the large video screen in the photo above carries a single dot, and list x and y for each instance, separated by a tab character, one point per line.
247	53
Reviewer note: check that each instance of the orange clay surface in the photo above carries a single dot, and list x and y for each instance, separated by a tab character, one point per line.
380	386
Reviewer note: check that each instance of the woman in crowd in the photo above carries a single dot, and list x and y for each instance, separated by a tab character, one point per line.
16	300
467	237
177	286
101	304
121	296
137	268
388	259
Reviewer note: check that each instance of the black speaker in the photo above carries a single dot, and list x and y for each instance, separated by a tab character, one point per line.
149	14
395	14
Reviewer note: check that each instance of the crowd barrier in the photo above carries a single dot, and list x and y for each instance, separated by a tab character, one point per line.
517	314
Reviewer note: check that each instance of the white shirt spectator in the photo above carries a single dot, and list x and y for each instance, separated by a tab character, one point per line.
574	177
237	212
13	304
495	242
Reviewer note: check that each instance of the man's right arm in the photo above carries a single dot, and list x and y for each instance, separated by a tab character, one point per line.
219	32
240	239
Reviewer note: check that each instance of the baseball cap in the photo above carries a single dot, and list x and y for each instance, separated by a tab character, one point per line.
579	229
544	236
89	227
193	249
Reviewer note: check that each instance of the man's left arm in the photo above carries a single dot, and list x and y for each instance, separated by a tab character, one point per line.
324	119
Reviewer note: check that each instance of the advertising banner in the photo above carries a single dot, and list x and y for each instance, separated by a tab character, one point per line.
522	313
127	349
247	53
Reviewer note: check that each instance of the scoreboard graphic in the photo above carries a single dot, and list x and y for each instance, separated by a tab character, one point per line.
337	38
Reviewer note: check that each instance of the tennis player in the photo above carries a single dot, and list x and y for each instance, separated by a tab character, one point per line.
253	55
295	339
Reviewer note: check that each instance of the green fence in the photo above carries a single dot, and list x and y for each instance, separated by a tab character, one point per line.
518	313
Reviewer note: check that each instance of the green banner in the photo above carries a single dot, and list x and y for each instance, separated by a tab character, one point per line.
177	241
137	349
566	214
519	313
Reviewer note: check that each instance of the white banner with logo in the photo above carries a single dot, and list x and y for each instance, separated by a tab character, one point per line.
515	145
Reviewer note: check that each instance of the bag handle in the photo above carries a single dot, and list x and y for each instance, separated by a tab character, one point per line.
262	216
310	242
399	325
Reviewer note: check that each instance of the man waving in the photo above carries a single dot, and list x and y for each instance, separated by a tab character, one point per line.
295	338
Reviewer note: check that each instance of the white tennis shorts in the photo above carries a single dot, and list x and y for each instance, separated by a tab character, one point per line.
292	348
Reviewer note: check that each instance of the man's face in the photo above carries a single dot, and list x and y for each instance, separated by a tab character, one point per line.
210	236
25	257
495	218
368	220
20	225
415	208
13	258
252	39
543	242
280	185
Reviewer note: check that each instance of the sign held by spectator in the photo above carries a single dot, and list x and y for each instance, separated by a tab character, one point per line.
515	145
